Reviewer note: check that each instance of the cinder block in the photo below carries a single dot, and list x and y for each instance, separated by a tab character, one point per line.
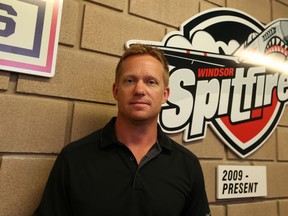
217	2
79	75
117	4
31	124
284	119
260	9
282	137
279	10
108	30
208	147
217	210
4	80
169	12
69	22
206	6
283	207
22	180
253	209
284	1
90	117
277	176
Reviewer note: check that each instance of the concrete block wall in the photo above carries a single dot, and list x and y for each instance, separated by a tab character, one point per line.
41	115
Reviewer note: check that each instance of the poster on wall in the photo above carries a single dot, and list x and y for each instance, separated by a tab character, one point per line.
228	71
29	32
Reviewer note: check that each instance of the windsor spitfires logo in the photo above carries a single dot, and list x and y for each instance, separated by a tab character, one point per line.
29	31
229	71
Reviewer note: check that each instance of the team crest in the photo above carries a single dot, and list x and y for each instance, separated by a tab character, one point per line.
229	71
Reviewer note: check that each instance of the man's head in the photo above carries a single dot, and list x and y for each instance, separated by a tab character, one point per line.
141	49
141	83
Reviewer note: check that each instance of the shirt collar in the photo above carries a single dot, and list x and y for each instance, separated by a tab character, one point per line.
108	136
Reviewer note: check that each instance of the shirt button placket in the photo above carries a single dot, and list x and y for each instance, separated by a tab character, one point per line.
137	181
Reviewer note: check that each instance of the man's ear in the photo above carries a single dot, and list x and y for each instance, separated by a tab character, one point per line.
166	95
115	91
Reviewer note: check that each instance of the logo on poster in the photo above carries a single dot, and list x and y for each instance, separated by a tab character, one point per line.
29	36
229	71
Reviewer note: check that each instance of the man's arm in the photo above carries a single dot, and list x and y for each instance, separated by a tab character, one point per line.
55	200
197	204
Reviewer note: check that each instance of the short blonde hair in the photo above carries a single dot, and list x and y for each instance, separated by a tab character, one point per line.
141	49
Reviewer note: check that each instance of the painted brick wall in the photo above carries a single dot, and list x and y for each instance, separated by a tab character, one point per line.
38	116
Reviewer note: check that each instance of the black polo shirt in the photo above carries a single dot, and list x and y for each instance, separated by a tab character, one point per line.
98	176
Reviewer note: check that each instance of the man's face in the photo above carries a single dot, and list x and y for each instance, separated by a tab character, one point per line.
140	91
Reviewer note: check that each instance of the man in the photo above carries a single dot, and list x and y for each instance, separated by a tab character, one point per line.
129	167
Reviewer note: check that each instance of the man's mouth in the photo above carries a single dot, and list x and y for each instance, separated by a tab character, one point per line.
139	103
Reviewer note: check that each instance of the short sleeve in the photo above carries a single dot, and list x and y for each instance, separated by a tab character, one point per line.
197	203
55	199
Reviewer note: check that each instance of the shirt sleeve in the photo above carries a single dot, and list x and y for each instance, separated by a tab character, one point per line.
197	204
55	199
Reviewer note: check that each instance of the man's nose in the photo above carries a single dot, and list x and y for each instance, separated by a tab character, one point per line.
139	88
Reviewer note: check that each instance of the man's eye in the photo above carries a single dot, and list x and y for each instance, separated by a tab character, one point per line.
129	80
152	82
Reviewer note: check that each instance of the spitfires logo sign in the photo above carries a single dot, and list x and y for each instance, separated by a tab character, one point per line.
29	32
229	71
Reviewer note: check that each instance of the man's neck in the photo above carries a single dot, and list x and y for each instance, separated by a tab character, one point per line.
138	136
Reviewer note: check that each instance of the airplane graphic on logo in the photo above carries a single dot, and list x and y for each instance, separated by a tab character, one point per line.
229	71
